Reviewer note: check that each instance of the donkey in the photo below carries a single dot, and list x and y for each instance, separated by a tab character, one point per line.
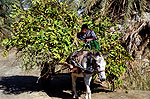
87	63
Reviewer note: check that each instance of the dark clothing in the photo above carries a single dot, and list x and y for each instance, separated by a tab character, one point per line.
88	35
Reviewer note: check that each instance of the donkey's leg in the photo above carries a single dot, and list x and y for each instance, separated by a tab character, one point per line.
74	86
87	80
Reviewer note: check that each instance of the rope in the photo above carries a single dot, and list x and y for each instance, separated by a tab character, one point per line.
78	65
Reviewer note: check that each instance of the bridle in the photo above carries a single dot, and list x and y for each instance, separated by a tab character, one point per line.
95	66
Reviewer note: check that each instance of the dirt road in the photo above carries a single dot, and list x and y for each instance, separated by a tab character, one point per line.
18	84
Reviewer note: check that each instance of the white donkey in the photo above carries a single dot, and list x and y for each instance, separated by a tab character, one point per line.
88	63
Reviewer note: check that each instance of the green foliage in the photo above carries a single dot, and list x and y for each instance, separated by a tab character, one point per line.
47	33
48	27
5	20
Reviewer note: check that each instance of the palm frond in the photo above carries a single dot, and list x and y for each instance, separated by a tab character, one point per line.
129	8
137	6
82	4
142	4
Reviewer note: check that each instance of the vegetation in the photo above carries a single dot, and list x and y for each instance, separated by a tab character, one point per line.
5	20
134	15
46	33
109	42
44	28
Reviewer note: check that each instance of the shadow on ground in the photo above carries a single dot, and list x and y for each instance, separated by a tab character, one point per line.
19	84
58	86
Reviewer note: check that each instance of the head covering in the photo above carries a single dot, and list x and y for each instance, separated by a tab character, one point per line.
84	26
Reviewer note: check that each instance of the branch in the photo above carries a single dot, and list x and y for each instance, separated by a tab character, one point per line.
135	33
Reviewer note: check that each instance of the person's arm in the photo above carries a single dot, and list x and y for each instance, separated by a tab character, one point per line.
80	37
90	39
93	36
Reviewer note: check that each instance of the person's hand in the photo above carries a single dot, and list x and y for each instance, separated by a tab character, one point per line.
88	40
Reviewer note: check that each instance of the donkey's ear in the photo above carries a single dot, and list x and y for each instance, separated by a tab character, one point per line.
106	54
89	54
97	53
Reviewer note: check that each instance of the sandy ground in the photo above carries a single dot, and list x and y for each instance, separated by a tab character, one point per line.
18	84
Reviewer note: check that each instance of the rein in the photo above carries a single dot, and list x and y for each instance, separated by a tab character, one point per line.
99	71
87	44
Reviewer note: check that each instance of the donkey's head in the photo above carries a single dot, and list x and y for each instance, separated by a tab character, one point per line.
100	65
